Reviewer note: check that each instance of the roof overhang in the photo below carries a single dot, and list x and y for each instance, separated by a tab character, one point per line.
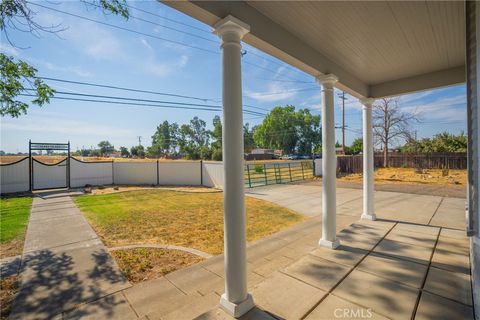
280	39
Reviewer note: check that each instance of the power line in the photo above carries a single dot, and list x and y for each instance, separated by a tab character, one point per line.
161	25
132	103
168	19
124	29
149	35
144	100
141	91
284	91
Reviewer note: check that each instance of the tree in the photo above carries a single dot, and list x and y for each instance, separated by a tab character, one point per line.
124	152
194	139
442	142
106	147
390	124
309	131
356	147
278	130
138	151
164	140
248	141
216	134
284	128
16	74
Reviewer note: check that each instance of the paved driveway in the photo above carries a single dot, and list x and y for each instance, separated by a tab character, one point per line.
423	209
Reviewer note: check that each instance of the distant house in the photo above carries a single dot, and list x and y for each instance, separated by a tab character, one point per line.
114	154
262	151
260	154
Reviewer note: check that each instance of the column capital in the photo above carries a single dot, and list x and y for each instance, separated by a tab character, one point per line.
327	80
367	102
231	25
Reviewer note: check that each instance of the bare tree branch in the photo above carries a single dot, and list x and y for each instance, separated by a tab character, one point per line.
390	124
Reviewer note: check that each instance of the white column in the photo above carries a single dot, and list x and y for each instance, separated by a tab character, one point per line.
368	170
236	300
329	163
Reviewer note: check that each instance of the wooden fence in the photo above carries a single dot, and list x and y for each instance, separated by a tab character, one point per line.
354	164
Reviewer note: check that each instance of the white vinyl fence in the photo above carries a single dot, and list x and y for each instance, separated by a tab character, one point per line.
15	177
212	172
135	173
180	173
318	167
92	173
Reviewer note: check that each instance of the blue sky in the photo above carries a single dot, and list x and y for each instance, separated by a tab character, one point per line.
90	52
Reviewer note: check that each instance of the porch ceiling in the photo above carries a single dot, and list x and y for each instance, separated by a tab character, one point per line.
375	48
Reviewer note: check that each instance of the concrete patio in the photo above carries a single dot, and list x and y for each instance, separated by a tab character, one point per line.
411	263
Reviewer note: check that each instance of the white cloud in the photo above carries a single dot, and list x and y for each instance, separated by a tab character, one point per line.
65	127
151	65
95	41
8	49
77	70
274	93
443	108
183	61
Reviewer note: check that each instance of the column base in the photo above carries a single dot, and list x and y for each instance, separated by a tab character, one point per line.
371	217
236	310
329	244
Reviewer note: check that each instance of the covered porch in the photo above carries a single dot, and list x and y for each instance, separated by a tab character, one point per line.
414	267
370	50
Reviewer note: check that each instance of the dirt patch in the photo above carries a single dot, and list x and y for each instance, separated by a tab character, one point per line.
437	177
146	263
8	290
11	248
117	189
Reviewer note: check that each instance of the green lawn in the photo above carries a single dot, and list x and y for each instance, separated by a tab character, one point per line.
181	218
14	213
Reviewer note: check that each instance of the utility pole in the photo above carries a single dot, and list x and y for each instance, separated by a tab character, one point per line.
139	140
342	96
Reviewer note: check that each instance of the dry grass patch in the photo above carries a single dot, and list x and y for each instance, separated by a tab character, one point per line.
8	290
146	263
192	220
412	176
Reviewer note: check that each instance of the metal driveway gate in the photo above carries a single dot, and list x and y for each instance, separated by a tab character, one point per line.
46	175
266	173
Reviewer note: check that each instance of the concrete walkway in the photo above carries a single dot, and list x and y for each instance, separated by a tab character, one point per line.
64	263
413	263
423	209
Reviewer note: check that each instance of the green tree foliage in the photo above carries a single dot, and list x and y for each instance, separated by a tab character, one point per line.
164	140
124	152
356	147
309	131
16	74
138	151
216	134
442	142
289	130
248	141
106	147
194	139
